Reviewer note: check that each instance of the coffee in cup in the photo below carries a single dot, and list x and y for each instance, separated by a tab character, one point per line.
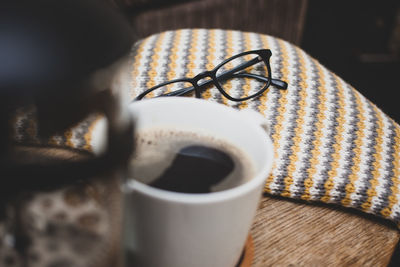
188	162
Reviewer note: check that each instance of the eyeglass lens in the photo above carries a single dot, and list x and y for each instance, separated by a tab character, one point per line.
243	76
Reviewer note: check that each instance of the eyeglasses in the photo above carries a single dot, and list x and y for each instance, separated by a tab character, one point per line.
250	69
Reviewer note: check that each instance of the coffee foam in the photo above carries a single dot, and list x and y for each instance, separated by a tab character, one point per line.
156	148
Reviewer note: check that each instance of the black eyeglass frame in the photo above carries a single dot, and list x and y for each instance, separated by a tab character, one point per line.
263	55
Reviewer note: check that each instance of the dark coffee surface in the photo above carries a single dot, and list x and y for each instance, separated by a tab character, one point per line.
188	162
195	169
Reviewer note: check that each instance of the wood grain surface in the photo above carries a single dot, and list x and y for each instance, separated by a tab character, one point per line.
293	233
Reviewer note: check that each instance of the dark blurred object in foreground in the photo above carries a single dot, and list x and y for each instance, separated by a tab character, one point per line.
49	49
59	57
50	54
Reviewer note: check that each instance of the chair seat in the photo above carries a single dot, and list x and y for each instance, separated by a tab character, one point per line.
332	145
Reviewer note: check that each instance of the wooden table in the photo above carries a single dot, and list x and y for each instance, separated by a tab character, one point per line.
290	233
286	232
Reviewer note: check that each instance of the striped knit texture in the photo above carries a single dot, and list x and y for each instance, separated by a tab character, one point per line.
331	143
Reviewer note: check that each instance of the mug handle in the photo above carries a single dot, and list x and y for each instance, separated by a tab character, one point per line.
257	118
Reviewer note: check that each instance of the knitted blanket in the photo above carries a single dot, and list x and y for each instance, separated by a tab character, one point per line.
331	143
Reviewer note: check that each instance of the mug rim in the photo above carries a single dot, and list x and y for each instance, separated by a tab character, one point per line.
131	185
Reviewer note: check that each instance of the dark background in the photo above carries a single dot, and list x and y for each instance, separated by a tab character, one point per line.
359	41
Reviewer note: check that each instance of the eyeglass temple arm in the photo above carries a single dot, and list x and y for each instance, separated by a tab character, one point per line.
275	82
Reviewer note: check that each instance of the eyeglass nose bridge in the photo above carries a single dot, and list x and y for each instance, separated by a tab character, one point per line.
203	75
198	77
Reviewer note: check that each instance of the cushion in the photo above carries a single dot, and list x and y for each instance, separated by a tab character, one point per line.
332	144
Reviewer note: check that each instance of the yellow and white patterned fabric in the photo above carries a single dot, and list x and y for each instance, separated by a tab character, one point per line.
331	143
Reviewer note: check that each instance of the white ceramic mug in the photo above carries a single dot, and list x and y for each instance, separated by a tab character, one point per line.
171	229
